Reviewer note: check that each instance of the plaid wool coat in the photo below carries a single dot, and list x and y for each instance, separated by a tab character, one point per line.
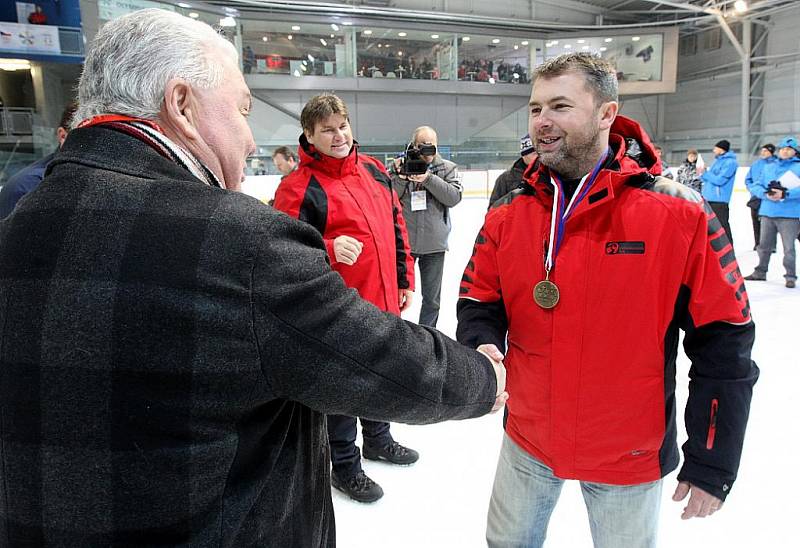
168	352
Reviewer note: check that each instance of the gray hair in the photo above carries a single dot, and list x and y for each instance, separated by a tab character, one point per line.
132	58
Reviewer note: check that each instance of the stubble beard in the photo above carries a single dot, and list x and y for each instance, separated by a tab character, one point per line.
575	159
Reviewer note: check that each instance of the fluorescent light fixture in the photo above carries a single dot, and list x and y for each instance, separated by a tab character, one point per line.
740	6
15	64
323	42
465	39
295	27
194	14
581	41
310	57
367	32
524	42
402	34
434	36
495	40
636	38
227	22
184	5
607	40
347	23
335	27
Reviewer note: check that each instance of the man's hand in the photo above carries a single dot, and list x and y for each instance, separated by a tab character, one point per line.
406	296
775	195
701	504
347	249
421	178
496	357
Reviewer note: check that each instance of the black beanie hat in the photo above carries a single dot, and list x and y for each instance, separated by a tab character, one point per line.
724	145
770	147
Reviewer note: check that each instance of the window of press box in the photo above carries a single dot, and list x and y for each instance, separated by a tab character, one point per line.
397	53
494	59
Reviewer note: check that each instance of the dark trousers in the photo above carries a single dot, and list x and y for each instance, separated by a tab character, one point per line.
431	268
756	224
771	228
721	211
345	456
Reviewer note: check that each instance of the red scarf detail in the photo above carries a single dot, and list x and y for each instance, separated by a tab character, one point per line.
108	118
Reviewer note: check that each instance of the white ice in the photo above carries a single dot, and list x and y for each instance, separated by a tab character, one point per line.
441	501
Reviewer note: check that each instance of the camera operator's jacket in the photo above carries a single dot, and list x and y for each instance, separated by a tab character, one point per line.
789	207
353	197
592	381
428	229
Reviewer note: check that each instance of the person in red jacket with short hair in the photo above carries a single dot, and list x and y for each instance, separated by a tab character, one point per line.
348	197
588	271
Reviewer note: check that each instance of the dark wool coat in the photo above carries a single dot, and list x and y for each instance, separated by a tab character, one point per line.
167	355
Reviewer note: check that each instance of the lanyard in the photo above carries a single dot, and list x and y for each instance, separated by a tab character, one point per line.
561	214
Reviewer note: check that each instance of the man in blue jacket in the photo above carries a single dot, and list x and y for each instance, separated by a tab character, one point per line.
779	211
751	182
28	178
718	183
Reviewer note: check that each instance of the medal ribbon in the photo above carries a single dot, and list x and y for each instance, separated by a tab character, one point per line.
560	214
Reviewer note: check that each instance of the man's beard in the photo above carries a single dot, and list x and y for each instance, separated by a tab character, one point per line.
575	159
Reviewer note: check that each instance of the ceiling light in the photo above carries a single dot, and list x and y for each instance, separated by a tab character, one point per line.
184	5
567	46
295	27
333	36
495	40
380	45
434	36
367	32
400	53
740	6
289	37
15	64
636	38
335	27
347	23
524	42
194	14
553	42
265	38
402	34
323	42
607	40
310	57
581	41
465	39
516	46
227	22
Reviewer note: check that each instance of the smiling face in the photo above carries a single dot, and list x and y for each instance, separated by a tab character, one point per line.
569	129
332	136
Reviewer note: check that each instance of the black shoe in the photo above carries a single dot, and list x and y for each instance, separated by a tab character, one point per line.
790	284
393	452
359	488
756	277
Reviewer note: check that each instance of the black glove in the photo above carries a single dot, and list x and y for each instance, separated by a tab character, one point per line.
775	188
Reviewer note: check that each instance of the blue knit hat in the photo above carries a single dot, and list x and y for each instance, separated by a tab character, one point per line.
788	141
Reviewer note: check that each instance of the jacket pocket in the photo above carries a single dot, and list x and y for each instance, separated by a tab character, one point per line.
712	424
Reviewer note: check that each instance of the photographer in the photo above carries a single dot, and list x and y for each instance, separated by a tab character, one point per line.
428	186
779	211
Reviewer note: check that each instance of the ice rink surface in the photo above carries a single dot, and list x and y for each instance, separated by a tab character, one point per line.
441	501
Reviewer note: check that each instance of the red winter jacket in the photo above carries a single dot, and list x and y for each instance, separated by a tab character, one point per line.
592	381
353	197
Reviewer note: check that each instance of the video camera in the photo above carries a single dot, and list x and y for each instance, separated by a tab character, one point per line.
412	162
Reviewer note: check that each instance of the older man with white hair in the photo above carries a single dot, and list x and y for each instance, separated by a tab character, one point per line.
170	348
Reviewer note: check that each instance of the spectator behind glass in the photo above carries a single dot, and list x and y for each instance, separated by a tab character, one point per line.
28	178
173	346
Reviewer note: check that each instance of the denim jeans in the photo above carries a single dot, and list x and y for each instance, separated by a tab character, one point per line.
526	491
788	229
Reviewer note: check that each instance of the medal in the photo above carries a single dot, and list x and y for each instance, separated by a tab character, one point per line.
546	293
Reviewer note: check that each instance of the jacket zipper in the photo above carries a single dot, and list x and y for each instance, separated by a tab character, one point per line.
712	424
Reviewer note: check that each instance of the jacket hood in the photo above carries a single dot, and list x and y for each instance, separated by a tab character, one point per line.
335	167
632	153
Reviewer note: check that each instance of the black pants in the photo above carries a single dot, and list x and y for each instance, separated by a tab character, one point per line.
756	223
431	267
721	211
345	456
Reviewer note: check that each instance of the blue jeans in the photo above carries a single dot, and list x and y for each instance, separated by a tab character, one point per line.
526	491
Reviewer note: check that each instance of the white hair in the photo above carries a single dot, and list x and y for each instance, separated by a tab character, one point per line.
132	58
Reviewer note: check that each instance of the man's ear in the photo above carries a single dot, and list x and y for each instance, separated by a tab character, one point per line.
309	137
180	109
608	113
61	134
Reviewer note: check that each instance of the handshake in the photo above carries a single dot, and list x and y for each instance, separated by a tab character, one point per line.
496	357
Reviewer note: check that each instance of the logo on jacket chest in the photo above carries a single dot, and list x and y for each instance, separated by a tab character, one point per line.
624	248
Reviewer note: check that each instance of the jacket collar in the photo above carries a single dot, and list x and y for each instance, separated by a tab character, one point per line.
106	148
333	167
617	170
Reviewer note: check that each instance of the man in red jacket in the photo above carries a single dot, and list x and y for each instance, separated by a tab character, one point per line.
588	271
348	198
